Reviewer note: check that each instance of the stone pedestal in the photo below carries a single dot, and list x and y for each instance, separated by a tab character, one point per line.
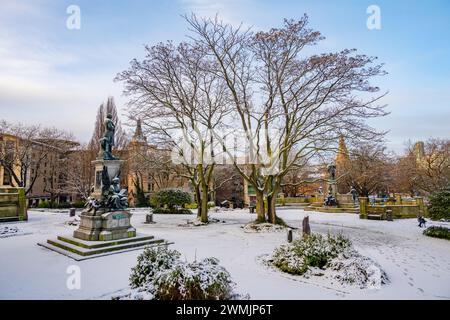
113	225
332	188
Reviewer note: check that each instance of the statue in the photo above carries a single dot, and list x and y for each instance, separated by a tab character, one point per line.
117	198
92	205
111	197
332	171
354	194
114	198
107	142
330	200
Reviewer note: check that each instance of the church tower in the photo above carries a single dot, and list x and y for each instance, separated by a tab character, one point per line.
342	164
137	174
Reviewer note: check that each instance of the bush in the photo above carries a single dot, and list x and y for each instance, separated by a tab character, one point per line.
78	204
438	232
47	204
164	276
203	280
63	205
171	198
172	211
439	205
151	262
211	204
191	206
311	251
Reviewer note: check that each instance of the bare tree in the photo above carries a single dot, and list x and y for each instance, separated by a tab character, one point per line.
368	169
79	177
424	168
174	92
310	101
24	155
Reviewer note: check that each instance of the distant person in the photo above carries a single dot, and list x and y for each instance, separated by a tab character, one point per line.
422	221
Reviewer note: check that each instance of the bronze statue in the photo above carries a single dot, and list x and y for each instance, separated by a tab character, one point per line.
117	198
332	171
107	142
354	194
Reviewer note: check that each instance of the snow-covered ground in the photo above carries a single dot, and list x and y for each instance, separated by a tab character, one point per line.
418	267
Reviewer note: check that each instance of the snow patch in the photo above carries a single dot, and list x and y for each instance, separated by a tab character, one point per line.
8	231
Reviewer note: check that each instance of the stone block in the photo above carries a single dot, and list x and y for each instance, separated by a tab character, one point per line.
113	225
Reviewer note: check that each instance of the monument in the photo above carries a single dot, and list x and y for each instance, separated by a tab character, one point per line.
105	223
330	199
106	216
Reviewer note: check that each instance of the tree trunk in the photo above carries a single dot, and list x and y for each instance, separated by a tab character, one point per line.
260	210
272	200
204	204
198	198
271	213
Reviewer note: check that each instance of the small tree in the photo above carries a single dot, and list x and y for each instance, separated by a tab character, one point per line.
439	207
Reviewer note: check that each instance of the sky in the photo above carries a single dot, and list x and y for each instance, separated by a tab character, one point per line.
56	76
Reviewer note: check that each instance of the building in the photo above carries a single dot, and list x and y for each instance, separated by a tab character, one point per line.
39	166
149	169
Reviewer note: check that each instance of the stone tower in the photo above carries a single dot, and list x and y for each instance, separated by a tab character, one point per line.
342	164
136	175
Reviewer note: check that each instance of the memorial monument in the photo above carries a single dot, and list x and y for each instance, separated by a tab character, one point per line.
105	223
106	216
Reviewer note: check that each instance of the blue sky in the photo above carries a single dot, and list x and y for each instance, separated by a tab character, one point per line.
56	76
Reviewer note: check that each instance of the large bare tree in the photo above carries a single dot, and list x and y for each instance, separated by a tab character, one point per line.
275	86
180	102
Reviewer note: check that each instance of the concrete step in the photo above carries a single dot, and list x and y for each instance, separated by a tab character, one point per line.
101	244
332	209
81	250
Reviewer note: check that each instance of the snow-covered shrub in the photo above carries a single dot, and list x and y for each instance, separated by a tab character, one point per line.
203	280
330	257
352	268
311	251
256	227
150	263
161	274
438	232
